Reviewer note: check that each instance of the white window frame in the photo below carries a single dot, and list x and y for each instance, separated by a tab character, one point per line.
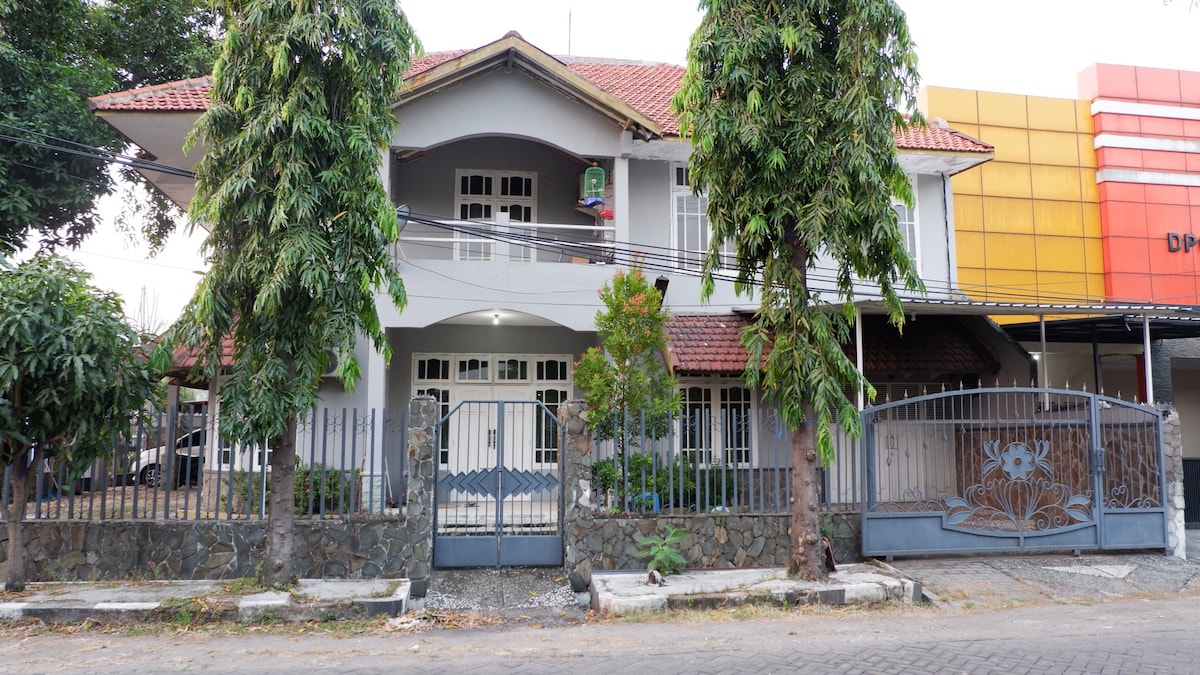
481	249
910	228
688	256
716	443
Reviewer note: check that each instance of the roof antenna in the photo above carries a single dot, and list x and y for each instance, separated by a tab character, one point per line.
569	30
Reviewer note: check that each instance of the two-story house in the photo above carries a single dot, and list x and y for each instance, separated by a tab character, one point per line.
502	256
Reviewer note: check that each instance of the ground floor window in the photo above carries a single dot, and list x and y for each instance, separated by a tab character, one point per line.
716	424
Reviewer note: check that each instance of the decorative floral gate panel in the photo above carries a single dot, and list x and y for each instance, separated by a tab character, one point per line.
1011	470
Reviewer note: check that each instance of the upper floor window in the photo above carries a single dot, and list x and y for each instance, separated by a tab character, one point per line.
906	220
690	234
480	195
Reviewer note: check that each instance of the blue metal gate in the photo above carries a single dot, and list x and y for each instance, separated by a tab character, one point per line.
1012	470
498	501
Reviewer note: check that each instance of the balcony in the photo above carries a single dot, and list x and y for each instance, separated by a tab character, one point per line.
505	241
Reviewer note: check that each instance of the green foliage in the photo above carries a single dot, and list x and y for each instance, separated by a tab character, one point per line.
630	393
154	41
54	54
72	375
791	109
680	484
663	552
317	490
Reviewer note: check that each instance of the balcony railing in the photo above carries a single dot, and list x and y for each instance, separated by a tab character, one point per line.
471	240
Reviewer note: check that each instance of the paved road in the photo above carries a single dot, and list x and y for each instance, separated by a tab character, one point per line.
1123	636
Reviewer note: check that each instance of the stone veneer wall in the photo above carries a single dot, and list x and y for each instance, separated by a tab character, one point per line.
599	542
356	547
1173	468
122	549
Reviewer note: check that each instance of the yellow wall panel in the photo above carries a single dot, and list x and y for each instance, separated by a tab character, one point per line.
1095	287
1060	254
1055	182
1011	285
1012	145
969	247
1054	218
950	104
1001	214
971	130
1069	287
1053	147
1051	114
1010	252
1006	180
1003	110
1093	253
966	183
1091	220
1087	150
1087	183
973	282
968	214
1083	118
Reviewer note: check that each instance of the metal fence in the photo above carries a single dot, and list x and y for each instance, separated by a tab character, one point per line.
178	467
736	461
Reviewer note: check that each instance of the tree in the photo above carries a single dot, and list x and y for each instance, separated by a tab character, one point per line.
47	77
299	222
791	108
72	379
54	54
629	392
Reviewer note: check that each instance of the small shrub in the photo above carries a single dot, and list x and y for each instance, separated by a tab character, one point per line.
664	556
318	490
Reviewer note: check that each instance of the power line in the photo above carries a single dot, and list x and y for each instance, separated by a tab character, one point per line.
93	152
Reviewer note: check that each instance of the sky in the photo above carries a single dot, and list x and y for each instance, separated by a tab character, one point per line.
1014	46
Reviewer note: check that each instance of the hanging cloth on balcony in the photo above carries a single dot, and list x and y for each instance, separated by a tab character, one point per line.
593	186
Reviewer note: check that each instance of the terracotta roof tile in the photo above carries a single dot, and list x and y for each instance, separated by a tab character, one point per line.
182	96
938	136
711	344
645	86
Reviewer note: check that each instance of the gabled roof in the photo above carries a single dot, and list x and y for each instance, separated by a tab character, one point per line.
632	93
513	52
711	344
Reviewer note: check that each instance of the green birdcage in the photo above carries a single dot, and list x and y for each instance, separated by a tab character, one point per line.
593	186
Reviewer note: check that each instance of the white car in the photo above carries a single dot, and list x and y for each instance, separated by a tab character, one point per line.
189	452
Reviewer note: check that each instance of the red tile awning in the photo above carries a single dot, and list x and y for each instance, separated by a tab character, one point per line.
710	344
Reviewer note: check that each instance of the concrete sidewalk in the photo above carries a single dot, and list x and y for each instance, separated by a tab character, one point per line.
166	601
961	582
950	582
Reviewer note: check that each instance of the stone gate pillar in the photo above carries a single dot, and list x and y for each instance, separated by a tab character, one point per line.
423	414
1172	441
577	494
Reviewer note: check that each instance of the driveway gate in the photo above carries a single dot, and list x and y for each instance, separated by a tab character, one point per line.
498	500
1010	470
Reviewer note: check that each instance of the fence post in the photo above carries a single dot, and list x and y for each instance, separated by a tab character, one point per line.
1172	442
423	412
577	494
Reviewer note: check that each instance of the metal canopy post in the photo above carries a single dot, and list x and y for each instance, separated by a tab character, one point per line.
1146	365
858	356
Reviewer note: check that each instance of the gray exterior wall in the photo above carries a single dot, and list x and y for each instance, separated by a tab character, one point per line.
650	209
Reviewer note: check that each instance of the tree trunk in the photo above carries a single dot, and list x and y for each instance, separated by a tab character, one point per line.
807	557
14	522
276	569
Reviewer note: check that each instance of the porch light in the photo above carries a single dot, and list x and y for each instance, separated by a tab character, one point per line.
495	319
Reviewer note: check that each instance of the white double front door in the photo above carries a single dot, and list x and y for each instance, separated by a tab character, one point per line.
497	409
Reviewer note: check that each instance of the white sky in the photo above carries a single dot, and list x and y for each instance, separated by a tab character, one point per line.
1018	46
